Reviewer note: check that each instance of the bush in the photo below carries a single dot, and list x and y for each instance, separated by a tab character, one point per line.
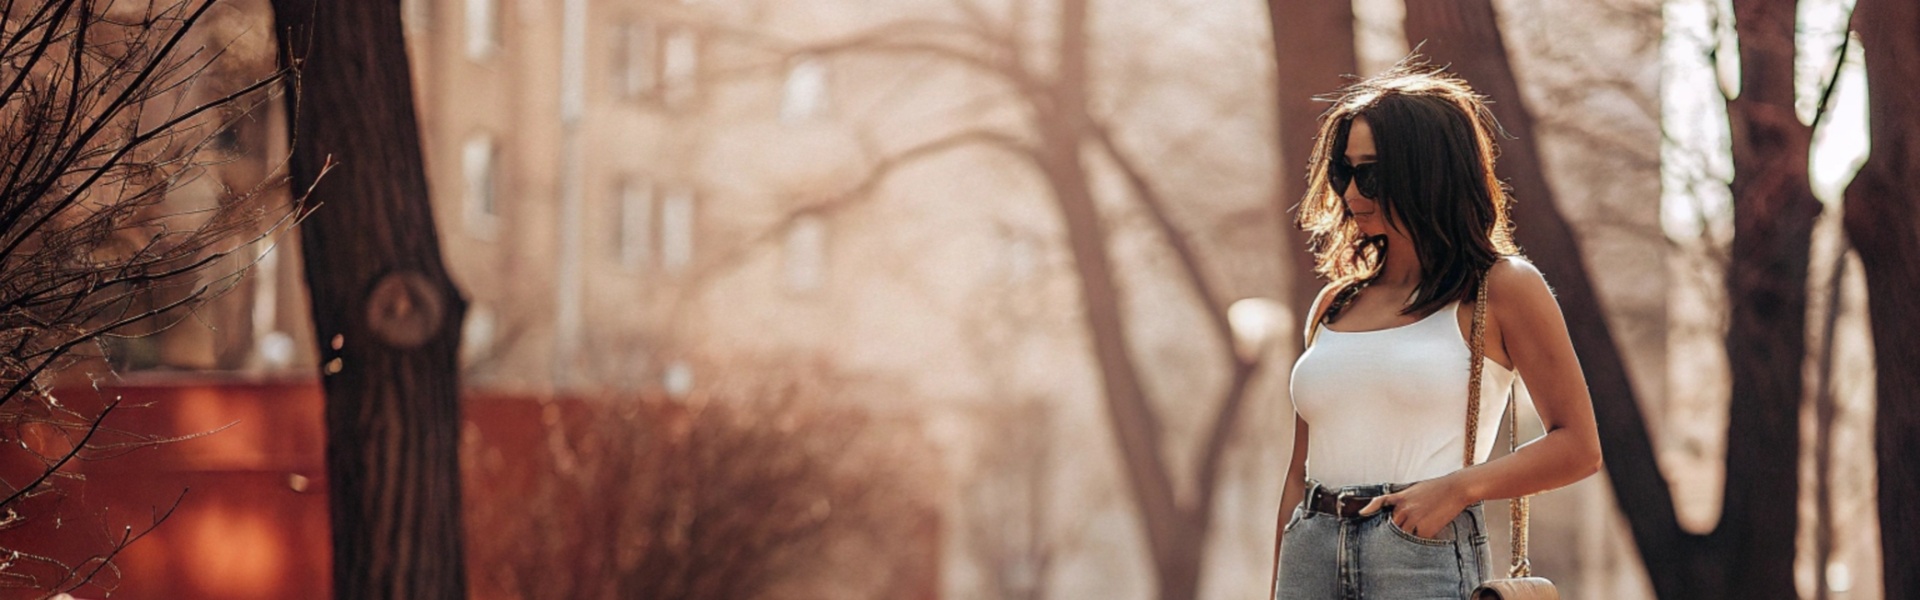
702	499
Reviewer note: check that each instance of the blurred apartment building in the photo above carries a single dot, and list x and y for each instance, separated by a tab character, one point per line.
637	193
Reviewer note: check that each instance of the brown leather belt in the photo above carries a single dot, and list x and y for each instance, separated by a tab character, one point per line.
1325	501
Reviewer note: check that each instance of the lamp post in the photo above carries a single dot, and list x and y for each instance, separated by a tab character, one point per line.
1256	324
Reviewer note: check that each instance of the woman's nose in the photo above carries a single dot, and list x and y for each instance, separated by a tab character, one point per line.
1357	202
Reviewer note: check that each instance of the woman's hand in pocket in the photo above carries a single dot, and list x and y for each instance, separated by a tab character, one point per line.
1424	509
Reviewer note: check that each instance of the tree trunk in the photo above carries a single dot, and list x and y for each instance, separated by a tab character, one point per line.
1774	211
1750	554
384	311
1175	533
1313	51
1883	224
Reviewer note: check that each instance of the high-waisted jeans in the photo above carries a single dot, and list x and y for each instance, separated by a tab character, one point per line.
1326	557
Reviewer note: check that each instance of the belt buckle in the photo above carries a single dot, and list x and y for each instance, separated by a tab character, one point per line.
1340	503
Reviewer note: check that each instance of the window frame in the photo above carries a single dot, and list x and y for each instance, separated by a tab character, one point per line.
480	185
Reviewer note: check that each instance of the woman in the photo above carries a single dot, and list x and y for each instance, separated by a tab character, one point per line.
1406	219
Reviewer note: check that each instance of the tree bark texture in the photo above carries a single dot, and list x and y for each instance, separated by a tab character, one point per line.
1750	554
1313	53
385	313
1883	224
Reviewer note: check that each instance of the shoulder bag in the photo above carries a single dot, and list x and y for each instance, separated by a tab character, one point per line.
1519	584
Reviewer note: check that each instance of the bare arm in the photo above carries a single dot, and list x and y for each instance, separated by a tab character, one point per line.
1293	490
1535	336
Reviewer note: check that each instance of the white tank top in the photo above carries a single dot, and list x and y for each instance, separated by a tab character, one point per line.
1390	406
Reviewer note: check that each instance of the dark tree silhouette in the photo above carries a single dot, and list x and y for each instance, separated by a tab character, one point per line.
385	314
1883	224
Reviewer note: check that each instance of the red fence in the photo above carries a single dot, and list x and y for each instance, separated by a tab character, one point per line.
253	520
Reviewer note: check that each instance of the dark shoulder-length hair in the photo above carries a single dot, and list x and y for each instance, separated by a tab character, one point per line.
1434	143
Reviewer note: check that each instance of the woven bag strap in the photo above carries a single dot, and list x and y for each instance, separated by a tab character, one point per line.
1521	567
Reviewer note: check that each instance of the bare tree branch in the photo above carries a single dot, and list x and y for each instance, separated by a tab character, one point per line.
1192	269
861	192
106	115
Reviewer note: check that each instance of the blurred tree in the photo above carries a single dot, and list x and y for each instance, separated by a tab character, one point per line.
1883	223
1774	211
1750	553
1176	530
1313	50
385	314
1060	136
108	112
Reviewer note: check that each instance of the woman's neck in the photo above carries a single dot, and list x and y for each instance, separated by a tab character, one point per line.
1399	269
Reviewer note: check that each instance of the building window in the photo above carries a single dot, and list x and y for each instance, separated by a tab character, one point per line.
637	64
805	93
477	166
656	63
633	223
806	253
679	67
676	229
483	28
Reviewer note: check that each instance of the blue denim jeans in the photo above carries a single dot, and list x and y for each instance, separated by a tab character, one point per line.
1326	557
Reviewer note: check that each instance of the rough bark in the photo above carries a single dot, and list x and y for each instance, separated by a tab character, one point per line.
1883	224
1750	553
385	314
1313	51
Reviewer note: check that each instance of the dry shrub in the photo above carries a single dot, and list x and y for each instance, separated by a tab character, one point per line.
699	499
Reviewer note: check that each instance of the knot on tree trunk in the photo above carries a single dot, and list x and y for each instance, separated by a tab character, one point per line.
405	309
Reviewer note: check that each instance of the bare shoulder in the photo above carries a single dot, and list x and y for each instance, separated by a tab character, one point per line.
1516	286
1320	301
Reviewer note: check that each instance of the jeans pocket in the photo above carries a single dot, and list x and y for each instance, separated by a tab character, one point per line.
1404	534
1298	514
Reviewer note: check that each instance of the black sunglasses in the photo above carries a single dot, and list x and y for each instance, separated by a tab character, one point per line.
1339	173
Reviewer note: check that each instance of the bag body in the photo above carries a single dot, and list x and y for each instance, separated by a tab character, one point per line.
1517	588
